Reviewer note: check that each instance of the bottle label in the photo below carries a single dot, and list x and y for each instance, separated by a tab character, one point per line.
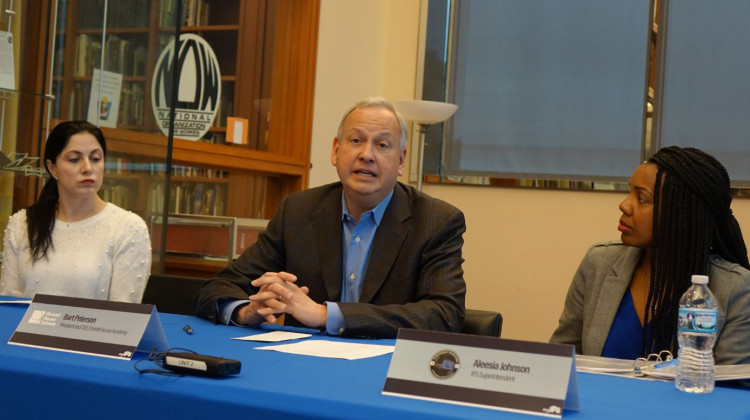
697	320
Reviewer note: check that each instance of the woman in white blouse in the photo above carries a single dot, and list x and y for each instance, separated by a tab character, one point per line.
71	242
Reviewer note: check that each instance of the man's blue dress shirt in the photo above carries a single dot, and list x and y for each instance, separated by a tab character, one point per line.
357	244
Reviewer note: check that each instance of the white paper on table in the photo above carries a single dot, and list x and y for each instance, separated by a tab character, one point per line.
18	302
273	336
333	349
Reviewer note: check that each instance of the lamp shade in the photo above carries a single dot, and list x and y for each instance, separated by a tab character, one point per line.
426	112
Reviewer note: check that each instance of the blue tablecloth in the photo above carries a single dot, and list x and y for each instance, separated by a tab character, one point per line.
40	383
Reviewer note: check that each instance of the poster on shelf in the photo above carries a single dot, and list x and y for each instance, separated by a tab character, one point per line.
7	67
104	101
198	87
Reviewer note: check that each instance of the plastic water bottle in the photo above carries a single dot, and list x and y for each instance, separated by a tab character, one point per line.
696	333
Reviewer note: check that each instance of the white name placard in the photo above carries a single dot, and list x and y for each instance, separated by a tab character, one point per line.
520	376
90	326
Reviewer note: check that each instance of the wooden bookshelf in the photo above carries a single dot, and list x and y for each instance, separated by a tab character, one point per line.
266	51
244	167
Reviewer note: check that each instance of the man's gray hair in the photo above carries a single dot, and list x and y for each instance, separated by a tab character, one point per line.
377	101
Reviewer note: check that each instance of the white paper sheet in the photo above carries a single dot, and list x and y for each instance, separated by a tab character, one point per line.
17	302
104	106
332	349
7	68
273	336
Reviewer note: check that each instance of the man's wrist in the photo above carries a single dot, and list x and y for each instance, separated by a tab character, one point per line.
323	318
226	309
236	313
334	319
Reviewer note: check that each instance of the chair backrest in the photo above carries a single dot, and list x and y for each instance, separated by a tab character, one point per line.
172	294
479	322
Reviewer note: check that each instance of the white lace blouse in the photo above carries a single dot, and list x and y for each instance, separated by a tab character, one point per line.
107	256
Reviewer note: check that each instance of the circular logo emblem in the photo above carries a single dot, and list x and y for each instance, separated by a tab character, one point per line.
444	364
198	91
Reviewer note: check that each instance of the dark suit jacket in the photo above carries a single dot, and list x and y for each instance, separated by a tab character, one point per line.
414	277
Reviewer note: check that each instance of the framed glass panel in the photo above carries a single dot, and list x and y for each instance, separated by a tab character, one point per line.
99	60
545	90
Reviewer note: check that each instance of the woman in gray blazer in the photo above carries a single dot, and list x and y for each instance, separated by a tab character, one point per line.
676	221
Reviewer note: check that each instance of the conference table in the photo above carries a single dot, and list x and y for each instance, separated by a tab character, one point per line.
43	383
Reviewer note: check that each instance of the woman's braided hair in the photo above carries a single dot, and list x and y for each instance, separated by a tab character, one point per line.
692	220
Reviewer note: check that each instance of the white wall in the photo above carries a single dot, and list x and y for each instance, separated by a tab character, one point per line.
522	246
356	40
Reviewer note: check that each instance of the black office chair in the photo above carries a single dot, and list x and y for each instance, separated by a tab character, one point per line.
480	322
172	294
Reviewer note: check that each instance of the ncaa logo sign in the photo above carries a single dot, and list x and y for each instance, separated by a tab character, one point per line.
198	91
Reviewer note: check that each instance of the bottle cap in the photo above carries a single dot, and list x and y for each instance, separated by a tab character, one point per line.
699	279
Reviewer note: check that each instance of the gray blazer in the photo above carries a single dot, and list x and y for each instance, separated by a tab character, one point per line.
413	278
602	280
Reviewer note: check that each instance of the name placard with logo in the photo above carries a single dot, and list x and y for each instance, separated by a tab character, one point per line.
90	326
520	376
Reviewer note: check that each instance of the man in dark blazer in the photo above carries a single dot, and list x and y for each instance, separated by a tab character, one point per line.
400	249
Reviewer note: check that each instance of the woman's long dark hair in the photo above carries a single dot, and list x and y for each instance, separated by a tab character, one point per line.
40	216
692	220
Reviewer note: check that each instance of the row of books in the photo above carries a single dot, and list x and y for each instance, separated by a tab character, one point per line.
118	194
194	12
155	202
88	55
79	101
197	198
120	14
132	99
184	198
126	56
122	165
193	172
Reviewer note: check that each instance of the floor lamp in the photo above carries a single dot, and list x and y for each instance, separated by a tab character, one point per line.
424	113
